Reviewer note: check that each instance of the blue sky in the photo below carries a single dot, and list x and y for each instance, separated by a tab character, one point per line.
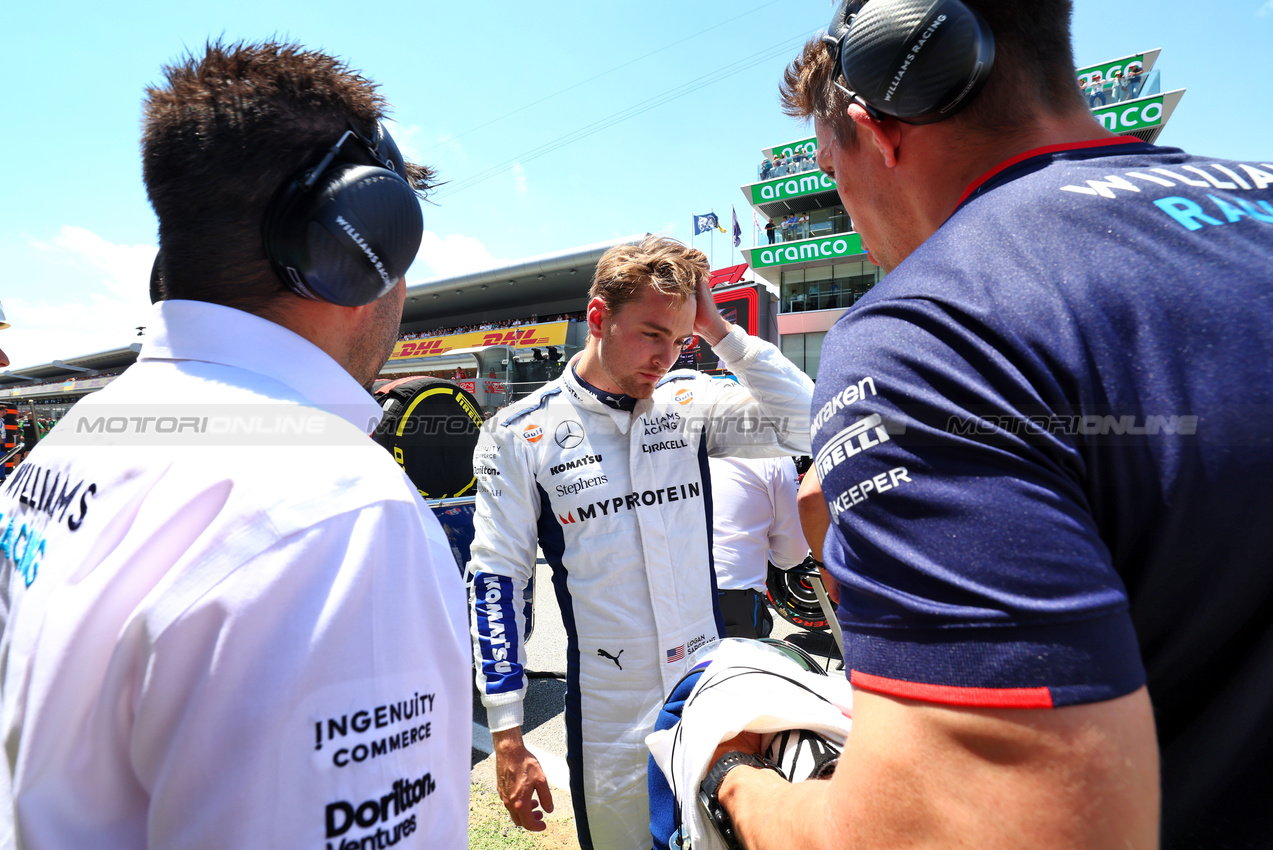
586	120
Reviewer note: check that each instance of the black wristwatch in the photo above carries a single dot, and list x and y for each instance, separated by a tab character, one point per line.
709	790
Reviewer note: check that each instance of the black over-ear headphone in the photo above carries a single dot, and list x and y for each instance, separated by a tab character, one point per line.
919	61
345	232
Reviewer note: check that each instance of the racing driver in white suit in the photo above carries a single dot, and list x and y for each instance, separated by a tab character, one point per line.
605	469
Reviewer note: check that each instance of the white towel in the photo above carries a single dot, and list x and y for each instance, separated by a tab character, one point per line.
748	687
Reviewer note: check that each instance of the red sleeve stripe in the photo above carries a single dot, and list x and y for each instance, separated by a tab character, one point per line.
950	695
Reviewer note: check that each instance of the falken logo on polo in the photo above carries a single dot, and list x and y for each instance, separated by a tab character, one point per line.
685	396
533	433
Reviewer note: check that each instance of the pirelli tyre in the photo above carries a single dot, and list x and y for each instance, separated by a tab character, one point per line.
792	596
431	428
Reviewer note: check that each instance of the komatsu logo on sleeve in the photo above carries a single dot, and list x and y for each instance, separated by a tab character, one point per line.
496	626
852	440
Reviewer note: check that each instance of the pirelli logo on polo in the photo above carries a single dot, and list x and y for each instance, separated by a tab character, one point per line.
861	435
632	501
533	433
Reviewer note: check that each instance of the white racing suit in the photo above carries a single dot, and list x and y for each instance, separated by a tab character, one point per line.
621	505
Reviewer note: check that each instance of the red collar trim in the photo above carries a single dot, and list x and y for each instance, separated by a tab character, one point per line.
1021	157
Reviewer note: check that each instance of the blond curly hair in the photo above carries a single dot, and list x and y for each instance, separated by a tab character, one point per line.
665	264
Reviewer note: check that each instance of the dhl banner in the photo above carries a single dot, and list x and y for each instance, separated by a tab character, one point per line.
549	333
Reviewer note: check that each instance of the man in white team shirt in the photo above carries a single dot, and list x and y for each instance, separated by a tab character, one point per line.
230	621
755	520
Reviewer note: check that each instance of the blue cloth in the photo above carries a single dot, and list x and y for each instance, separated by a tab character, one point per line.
614	401
1045	442
664	819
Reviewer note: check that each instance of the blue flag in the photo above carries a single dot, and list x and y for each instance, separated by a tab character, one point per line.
704	223
738	231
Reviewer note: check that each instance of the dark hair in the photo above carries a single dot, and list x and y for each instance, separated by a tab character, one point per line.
221	138
807	91
1033	72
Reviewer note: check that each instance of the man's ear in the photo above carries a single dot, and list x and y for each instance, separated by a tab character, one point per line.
598	310
885	134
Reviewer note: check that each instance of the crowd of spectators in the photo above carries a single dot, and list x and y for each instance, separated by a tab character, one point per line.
802	226
1116	89
789	163
577	316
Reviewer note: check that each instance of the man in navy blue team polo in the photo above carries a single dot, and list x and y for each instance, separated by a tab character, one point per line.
1045	448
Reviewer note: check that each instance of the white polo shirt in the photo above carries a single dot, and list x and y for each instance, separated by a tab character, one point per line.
232	621
755	520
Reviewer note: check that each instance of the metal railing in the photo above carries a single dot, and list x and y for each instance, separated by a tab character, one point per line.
794	233
1120	90
786	167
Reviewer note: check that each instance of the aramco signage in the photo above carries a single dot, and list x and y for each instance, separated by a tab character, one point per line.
1134	115
838	246
809	146
792	186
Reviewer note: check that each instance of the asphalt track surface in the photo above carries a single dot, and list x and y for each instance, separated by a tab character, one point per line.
543	727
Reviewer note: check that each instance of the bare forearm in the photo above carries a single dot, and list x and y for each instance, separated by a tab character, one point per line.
508	739
924	775
815	519
770	813
714	331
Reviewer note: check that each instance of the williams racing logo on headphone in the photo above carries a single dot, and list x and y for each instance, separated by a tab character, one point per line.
533	433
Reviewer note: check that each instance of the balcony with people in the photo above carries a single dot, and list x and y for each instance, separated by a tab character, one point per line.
805	225
783	165
1119	86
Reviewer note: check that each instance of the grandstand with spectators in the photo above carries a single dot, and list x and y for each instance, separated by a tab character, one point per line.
498	332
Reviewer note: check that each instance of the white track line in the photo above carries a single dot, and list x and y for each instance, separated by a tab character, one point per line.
554	766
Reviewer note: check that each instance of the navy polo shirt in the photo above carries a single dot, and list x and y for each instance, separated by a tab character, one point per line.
1046	444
